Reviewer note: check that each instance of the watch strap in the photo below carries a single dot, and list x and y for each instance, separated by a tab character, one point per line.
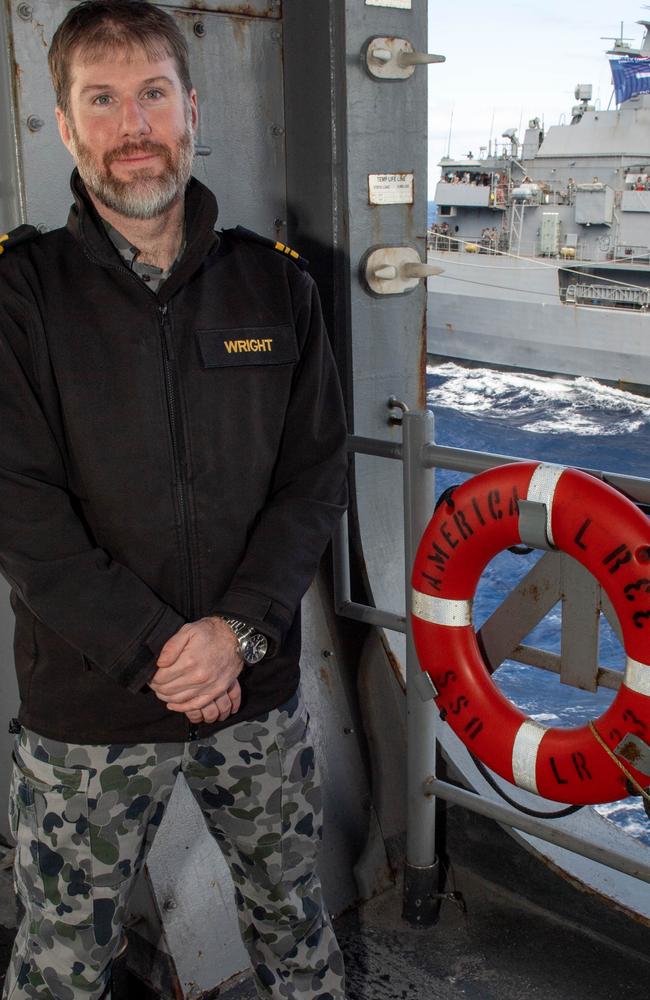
247	636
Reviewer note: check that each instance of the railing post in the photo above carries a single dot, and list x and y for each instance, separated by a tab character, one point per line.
421	875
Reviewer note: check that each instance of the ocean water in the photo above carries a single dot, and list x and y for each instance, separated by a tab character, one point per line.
571	422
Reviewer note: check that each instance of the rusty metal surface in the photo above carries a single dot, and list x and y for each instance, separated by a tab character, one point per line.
10	194
253	8
386	134
10	216
422	393
383	709
237	69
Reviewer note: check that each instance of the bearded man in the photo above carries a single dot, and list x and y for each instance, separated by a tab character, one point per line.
172	465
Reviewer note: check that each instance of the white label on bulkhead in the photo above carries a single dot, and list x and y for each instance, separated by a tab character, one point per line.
390	189
404	4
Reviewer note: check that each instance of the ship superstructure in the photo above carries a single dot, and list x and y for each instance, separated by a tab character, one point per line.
546	243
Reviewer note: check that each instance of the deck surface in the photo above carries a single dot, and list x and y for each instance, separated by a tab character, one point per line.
523	933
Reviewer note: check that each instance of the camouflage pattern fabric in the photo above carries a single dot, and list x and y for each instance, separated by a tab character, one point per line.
84	818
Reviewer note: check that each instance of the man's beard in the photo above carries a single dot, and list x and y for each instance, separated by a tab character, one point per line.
146	194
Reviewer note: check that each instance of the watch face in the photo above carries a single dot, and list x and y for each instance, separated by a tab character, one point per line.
254	648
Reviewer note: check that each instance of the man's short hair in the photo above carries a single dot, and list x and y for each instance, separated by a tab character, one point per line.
96	28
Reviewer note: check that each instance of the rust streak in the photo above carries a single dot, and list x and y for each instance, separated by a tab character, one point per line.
18	76
612	903
422	386
325	677
409	214
40	29
245	9
377	229
630	752
239	32
395	664
240	10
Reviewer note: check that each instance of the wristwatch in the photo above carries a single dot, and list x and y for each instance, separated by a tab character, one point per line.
252	644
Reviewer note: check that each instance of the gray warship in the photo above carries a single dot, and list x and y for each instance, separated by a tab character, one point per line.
545	243
313	130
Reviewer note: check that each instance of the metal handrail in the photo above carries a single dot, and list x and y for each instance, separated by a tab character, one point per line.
464	460
420	454
473	462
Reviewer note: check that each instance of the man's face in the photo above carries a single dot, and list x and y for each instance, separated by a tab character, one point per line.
130	129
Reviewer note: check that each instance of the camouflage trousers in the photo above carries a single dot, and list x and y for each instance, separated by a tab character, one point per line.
84	818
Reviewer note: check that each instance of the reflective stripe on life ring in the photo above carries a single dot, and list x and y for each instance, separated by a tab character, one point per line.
602	530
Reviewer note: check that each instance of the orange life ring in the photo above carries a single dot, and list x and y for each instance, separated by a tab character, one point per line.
602	530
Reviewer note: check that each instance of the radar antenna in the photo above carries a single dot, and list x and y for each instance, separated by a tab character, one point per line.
621	44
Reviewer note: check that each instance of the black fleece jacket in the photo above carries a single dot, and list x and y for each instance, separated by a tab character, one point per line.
162	458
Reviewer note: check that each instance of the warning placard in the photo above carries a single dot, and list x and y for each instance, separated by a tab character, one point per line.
404	4
390	189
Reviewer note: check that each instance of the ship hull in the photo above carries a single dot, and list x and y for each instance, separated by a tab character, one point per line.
510	315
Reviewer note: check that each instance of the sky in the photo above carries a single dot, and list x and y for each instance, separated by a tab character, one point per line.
511	61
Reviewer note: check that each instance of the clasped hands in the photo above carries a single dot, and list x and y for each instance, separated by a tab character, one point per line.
197	671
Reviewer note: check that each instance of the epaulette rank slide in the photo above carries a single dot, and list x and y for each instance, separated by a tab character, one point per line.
15	236
248	234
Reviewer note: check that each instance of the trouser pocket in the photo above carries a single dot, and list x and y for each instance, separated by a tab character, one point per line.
48	814
301	809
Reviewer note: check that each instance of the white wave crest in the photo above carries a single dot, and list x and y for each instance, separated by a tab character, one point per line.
629	815
539	404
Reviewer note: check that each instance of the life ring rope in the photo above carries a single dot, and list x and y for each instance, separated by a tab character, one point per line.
640	789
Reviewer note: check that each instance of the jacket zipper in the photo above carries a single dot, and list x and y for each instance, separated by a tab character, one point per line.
178	450
169	358
180	466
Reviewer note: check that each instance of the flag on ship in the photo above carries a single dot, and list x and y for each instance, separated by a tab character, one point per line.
630	76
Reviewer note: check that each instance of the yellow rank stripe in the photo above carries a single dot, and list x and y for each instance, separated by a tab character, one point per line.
285	249
3	239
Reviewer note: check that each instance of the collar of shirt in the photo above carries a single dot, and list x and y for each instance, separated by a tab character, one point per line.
152	276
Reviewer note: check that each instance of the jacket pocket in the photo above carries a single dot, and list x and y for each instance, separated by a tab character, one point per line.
246	346
49	820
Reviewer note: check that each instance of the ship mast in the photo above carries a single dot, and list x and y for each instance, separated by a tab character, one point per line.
621	45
